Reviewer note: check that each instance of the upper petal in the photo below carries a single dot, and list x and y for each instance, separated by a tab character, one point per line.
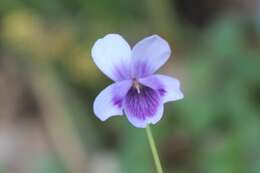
168	87
143	106
109	101
112	55
149	55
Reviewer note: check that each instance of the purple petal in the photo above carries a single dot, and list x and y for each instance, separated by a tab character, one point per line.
112	55
143	107
109	102
168	87
149	55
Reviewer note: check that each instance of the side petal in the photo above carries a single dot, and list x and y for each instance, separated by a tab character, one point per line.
168	87
149	55
112	55
109	101
143	106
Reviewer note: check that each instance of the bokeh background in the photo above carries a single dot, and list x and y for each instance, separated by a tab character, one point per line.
48	82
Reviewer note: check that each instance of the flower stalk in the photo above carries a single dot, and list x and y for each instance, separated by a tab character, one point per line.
154	150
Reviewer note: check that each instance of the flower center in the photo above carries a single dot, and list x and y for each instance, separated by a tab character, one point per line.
137	86
141	101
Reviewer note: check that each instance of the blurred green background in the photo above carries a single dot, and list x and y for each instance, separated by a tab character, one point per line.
48	82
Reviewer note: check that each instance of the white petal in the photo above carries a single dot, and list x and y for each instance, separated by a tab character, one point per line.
112	55
109	101
168	87
149	55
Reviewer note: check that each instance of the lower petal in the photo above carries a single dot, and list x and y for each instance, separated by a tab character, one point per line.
143	107
109	102
168	87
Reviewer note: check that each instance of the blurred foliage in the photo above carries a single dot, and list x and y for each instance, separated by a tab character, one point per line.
214	129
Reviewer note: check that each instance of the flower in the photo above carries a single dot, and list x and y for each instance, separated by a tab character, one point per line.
137	92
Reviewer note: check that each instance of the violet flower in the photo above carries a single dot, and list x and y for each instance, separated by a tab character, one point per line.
137	92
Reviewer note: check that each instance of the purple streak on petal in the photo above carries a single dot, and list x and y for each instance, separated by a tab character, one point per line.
117	101
168	87
107	103
121	72
141	105
162	91
155	84
141	69
119	92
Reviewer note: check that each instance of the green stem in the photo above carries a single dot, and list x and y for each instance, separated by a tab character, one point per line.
154	150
